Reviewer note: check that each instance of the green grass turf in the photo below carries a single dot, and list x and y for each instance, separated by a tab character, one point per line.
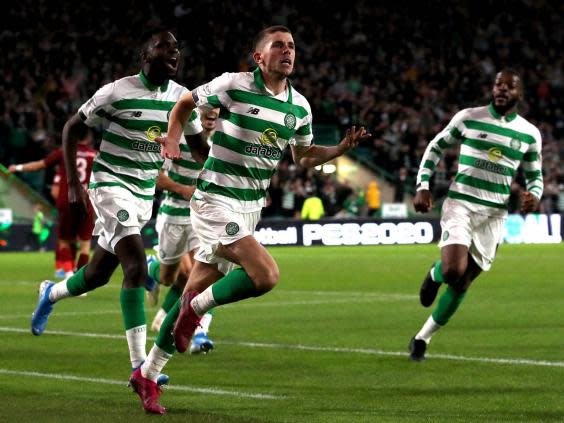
327	345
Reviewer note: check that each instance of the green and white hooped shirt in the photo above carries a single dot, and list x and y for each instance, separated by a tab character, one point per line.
132	112
253	129
492	147
185	170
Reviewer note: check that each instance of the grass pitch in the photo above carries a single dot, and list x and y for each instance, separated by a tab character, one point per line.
327	345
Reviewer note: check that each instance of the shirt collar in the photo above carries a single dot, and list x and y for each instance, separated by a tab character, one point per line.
149	85
259	82
496	115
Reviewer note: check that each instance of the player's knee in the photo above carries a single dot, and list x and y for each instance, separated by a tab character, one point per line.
452	272
96	277
267	278
134	273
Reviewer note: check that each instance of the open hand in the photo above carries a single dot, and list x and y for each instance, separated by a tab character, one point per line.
353	138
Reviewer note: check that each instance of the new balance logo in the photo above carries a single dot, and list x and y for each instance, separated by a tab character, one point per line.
136	114
483	135
253	111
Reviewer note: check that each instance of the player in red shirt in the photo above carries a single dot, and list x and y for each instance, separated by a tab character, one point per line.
70	229
55	188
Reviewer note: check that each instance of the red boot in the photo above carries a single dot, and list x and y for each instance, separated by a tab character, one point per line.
186	323
148	391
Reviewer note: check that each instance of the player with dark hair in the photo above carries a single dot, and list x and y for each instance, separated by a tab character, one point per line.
260	114
133	111
494	141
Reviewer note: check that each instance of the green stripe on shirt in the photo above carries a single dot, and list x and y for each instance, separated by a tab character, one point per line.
267	102
482	184
220	166
237	193
471	199
494	129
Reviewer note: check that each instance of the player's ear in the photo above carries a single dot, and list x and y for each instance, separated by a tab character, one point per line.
257	57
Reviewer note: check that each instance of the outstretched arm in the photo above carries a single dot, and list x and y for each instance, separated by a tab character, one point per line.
314	155
27	167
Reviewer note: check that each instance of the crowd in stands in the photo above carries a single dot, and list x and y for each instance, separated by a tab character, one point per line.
402	70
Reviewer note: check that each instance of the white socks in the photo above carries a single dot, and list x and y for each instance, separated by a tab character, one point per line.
158	320
428	329
59	291
156	360
136	341
203	302
204	324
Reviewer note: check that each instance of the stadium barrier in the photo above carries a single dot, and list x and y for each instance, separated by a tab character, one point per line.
531	229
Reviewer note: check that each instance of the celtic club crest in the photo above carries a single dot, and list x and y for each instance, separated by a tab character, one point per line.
290	121
231	228
122	215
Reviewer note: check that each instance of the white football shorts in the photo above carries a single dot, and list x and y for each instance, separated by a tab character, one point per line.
480	233
118	214
215	225
174	240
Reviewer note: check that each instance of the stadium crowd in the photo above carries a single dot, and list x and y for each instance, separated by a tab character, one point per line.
394	71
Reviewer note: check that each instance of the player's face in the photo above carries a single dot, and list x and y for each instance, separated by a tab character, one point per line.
162	53
278	52
506	90
210	120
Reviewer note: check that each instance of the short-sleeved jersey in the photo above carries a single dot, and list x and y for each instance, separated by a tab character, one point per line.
253	129
84	160
492	147
133	112
174	208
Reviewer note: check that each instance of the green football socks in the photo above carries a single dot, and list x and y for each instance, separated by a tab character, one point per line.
154	270
76	284
437	272
447	306
171	298
133	310
133	307
165	339
234	286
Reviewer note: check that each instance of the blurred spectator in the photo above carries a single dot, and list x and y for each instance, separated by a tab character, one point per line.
401	74
312	208
354	206
292	198
400	185
373	198
330	199
274	198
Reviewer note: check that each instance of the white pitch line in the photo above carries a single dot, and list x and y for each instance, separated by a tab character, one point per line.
60	314
182	388
370	351
317	348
